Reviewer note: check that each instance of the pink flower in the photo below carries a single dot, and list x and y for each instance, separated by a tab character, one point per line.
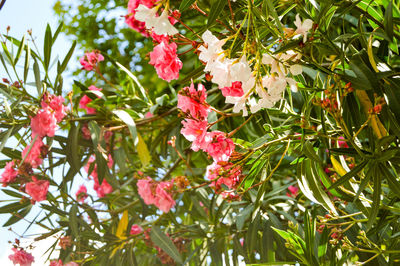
342	143
107	138
175	15
86	132
166	61
37	189
164	200
103	189
196	132
44	123
133	4
55	103
224	173
136	229
90	60
145	188
81	194
235	90
130	19
93	173
221	147
83	105
193	101
34	158
159	38
56	263
85	100
9	174
148	115
293	191
136	25
21	257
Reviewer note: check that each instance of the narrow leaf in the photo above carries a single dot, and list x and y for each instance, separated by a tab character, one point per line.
216	8
164	242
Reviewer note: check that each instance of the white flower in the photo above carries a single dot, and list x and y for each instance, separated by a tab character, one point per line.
239	104
145	14
303	28
277	63
221	72
213	50
160	25
164	26
241	71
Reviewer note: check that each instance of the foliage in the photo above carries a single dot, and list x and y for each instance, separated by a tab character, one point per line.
336	139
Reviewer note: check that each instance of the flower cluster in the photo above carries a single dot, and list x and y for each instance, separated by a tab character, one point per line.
157	193
43	124
216	143
237	80
89	60
131	20
193	103
226	176
164	58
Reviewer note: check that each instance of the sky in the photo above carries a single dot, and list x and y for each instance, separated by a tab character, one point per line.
22	15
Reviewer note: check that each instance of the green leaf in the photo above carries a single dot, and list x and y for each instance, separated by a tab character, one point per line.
13	207
128	120
73	220
36	71
19	51
271	9
310	185
47	47
388	21
5	138
376	199
73	149
135	79
185	4
164	242
309	151
58	30
67	58
27	60
17	217
349	175
243	215
216	8
293	239
12	193
394	184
